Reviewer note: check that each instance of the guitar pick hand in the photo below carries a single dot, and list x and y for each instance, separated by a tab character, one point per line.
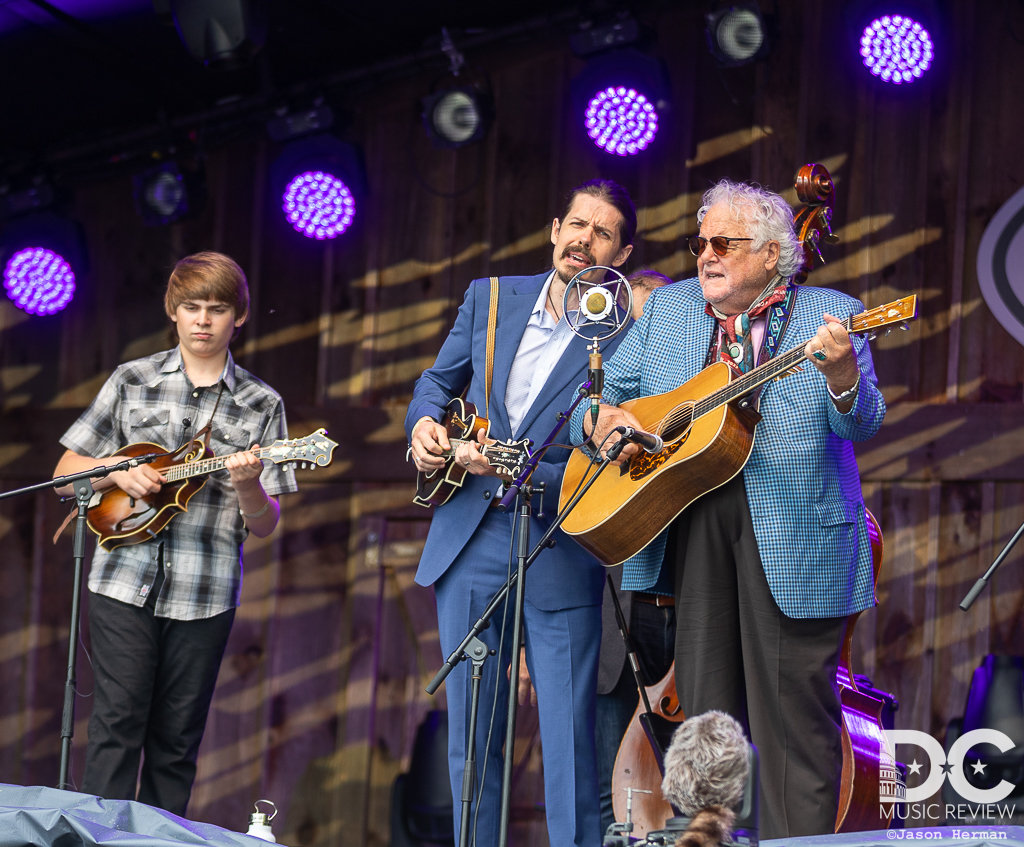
137	482
429	444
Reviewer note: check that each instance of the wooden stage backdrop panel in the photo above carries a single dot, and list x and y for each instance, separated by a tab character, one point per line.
321	691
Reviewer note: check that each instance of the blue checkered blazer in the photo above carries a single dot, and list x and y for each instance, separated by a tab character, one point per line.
801	479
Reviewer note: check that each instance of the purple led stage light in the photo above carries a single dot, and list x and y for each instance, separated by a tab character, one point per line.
621	120
39	281
896	49
319	205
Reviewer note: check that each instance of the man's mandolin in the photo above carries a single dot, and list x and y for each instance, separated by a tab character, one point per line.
462	424
119	519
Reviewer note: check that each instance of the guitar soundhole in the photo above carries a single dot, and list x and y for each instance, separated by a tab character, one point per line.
675	429
677	423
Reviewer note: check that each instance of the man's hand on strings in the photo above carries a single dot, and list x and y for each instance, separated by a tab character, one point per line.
831	352
429	444
469	456
244	467
138	481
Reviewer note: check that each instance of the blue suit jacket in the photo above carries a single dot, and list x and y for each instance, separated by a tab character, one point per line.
802	482
563	577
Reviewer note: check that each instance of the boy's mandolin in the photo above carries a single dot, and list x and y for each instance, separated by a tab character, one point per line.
119	519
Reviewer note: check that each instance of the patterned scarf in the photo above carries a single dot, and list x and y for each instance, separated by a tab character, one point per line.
737	348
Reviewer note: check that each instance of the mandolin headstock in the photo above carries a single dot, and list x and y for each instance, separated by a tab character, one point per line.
315	450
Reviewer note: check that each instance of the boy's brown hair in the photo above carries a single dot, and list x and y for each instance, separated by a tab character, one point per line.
208	276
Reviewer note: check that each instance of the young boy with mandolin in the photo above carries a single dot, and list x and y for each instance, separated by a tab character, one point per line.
160	611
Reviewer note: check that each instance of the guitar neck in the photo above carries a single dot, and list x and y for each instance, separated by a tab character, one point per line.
205	466
754	379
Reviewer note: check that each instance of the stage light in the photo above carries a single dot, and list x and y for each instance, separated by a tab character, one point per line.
622	97
737	34
621	120
319	205
222	34
896	49
455	117
40	256
166	193
39	281
320	182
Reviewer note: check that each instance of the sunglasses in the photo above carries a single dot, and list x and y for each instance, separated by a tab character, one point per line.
719	243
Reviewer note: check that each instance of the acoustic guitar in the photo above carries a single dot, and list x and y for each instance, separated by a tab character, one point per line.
462	423
708	430
119	519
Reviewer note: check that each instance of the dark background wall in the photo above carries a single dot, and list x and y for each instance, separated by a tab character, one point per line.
322	687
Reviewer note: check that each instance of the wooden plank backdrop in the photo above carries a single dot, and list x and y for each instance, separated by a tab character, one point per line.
321	690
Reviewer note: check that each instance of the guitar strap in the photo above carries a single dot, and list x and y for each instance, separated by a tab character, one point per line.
492	325
776	321
204	433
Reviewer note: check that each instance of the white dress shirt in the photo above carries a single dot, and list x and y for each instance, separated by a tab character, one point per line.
540	348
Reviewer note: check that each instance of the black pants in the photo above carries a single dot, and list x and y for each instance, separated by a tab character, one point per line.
737	652
154	683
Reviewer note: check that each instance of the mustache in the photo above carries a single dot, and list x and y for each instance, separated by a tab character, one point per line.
582	250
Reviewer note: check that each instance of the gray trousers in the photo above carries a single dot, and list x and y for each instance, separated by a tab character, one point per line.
738	653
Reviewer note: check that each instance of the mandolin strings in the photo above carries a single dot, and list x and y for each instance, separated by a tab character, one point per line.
204	466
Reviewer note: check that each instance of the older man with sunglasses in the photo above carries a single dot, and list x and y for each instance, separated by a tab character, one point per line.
769	565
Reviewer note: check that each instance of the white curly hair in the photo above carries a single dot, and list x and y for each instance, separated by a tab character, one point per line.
706	764
769	216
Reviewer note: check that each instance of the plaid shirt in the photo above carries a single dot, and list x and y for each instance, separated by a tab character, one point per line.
148	400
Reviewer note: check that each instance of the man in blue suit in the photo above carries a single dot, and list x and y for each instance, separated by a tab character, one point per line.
768	565
538	362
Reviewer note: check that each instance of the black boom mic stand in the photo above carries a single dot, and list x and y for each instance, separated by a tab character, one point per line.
83	493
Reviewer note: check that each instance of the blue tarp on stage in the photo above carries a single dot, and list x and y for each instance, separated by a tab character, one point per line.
42	817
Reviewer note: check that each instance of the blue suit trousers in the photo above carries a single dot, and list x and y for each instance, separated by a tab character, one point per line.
561	653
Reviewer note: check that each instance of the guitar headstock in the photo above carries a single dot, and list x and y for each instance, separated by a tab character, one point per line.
314	450
897	312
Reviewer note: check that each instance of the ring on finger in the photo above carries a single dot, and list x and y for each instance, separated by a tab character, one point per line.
820	355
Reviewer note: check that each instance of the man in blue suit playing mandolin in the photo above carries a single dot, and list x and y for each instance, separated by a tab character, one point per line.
538	362
769	564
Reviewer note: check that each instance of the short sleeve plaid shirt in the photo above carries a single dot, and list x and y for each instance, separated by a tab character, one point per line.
148	400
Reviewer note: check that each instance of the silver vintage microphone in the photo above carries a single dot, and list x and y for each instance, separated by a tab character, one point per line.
603	311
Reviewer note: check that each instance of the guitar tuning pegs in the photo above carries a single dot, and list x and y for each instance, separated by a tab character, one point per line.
905	326
872	336
888	330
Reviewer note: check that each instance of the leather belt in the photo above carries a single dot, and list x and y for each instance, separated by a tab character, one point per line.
653	599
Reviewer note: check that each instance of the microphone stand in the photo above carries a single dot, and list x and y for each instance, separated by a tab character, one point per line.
516	580
82	485
979	586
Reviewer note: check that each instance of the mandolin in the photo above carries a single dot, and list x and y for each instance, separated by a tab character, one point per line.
462	423
119	520
708	436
